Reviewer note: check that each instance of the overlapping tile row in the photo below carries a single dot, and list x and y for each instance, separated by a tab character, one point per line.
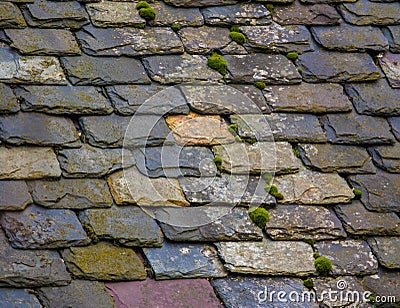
76	190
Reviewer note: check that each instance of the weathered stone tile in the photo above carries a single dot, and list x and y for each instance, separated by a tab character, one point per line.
255	95
311	187
192	292
348	257
394	38
267	257
380	191
278	38
243	14
114	14
50	14
168	16
43	41
274	69
242	291
387	250
243	158
236	225
325	1
29	69
226	190
38	228
147	99
38	129
234	49
127	225
383	283
352	128
11	16
86	70
63	100
307	97
8	101
365	12
28	163
80	293
204	39
282	126
387	157
183	260
14	195
332	66
103	261
199	3
336	158
359	221
395	126
130	186
299	14
294	222
71	193
177	69
389	63
23	298
350	38
30	268
128	41
194	129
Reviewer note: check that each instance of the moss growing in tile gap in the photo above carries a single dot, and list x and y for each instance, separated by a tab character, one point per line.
250	140
270	8
308	283
218	162
296	151
267	177
218	63
147	13
292	55
235	28
142	5
260	85
237	37
273	191
300	70
309	241
323	265
233	129
176	27
259	216
357	193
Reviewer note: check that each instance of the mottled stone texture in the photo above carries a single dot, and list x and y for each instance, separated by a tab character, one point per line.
14	195
204	39
389	63
387	157
387	250
11	16
8	101
9	297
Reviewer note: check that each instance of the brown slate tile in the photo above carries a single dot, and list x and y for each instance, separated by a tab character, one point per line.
387	157
11	16
14	195
8	101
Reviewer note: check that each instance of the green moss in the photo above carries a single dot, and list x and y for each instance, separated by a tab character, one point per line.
296	152
308	283
238	139
237	37
250	140
372	299
139	26
235	28
270	8
323	265
273	191
218	63
176	27
90	232
357	194
260	84
316	255
142	5
147	13
259	216
309	241
267	177
292	55
233	128
218	163
300	70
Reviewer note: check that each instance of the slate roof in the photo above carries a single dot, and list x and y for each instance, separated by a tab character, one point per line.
75	76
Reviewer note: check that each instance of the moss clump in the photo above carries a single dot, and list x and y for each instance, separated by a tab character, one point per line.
235	28
273	191
250	140
260	84
357	194
308	283
218	163
233	128
139	26
316	255
218	63
292	55
300	70
237	37
323	265
270	8
238	139
309	241
296	152
176	27
147	13
142	5
259	216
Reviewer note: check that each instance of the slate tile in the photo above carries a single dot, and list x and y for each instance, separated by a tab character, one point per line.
28	163
387	157
295	222
63	100
394	38
30	268
168	16
11	16
14	195
86	70
358	220
184	260
8	101
389	63
103	261
348	257
387	250
21	297
325	1
204	39
199	3
394	123
384	284
256	96
127	225
329	66
38	129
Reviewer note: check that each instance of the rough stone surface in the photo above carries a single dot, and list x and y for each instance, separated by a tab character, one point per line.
130	186
320	66
389	63
387	157
380	191
310	187
63	100
358	220
395	126
267	257
38	129
294	222
383	283
199	3
349	257
71	193
204	39
255	95
387	250
168	16
30	268
14	195
23	298
127	225
394	38
336	158
307	97
80	293
36	227
103	261
274	69
11	16
86	70
28	163
8	101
